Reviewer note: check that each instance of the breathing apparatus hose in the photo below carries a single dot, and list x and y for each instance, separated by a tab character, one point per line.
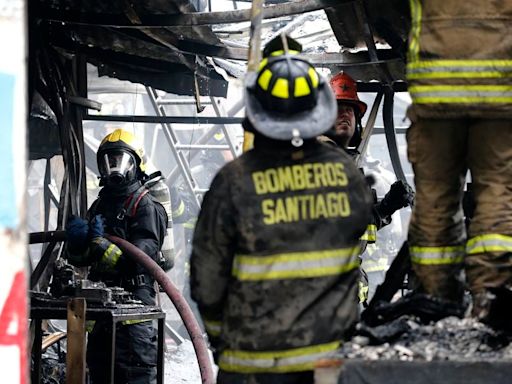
193	329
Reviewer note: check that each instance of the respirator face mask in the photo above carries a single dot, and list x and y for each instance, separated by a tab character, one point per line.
117	168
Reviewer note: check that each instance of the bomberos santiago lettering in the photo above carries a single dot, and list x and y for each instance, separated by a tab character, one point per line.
308	206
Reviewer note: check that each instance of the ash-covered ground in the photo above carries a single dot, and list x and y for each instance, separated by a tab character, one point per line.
448	339
181	365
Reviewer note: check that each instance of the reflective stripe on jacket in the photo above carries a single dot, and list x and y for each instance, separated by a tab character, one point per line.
292	360
460	55
296	264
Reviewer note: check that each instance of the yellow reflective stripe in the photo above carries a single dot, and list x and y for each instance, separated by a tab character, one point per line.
460	88
489	243
462	100
414	37
280	89
131	322
281	52
296	265
313	75
422	94
179	211
437	255
264	79
375	266
441	69
190	224
301	87
458	75
459	63
213	327
262	64
111	255
218	136
292	360
370	233
363	292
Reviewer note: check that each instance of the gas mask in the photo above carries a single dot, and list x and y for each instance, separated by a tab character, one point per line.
117	168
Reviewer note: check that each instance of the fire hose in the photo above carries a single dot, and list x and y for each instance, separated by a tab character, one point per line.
179	302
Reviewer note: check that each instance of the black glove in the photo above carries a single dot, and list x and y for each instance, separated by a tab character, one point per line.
400	195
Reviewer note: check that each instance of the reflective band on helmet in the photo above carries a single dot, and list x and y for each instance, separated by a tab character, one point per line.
437	255
489	243
213	327
281	52
296	265
111	255
313	75
280	89
264	79
292	360
442	69
437	94
301	87
370	233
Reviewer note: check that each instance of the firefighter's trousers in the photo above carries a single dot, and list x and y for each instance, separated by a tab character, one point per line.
441	151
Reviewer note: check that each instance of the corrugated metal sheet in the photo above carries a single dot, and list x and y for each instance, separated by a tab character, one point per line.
148	56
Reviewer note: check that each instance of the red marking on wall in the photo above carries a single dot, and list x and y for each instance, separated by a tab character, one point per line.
13	321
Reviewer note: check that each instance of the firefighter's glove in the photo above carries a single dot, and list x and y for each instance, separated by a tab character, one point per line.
400	195
96	227
77	230
105	253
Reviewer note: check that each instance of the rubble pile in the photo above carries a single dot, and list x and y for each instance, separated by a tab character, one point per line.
448	339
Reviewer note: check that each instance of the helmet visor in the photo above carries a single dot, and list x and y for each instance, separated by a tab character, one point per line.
117	167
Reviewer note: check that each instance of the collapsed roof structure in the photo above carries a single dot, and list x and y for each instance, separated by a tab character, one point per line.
190	52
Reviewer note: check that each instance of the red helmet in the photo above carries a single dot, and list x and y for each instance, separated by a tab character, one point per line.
345	90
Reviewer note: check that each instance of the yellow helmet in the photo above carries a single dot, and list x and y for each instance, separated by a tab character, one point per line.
120	158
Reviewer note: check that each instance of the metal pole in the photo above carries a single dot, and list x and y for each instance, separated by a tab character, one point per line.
254	54
368	129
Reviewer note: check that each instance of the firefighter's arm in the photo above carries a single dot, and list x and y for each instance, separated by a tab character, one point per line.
77	236
147	229
103	252
212	254
87	244
400	195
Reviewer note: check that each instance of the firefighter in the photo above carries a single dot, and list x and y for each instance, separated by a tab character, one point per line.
459	76
346	134
274	266
125	209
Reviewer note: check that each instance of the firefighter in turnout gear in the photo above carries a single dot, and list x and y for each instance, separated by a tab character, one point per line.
274	266
459	73
124	208
346	134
